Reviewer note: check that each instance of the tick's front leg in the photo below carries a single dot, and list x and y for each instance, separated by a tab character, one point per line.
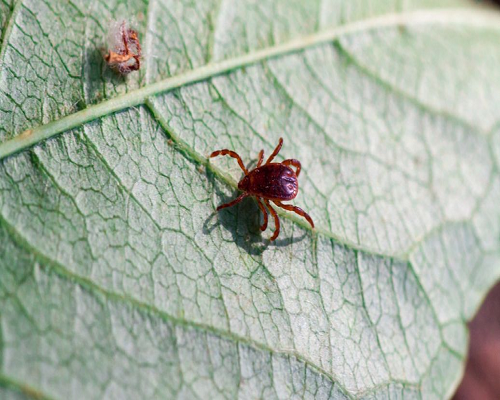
275	152
261	158
230	153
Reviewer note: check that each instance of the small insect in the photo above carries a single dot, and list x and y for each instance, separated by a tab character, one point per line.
274	182
124	53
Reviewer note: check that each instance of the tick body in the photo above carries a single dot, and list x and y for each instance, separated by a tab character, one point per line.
271	182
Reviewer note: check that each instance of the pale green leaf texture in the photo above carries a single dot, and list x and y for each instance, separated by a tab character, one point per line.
118	279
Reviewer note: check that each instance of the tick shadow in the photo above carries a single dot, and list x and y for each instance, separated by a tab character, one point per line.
243	221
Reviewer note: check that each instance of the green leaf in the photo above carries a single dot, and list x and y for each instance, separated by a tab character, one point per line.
119	280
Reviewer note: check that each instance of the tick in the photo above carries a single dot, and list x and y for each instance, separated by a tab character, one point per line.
271	182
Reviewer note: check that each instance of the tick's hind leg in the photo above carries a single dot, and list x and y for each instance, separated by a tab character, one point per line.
234	202
230	153
276	220
295	209
263	227
276	151
295	163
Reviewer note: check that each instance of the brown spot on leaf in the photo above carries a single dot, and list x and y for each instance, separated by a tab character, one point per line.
26	134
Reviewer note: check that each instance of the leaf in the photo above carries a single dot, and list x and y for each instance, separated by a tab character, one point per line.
119	280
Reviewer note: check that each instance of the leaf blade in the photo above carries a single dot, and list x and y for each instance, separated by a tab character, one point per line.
129	216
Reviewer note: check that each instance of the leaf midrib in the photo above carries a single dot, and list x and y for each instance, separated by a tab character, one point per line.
137	97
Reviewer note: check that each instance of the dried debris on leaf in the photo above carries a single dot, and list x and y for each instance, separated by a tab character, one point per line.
124	49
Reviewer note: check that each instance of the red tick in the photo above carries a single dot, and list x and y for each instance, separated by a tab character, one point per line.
269	182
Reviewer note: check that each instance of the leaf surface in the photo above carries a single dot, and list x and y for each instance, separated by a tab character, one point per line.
119	280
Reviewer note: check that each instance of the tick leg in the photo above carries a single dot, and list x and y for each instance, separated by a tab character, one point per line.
276	220
234	202
276	151
297	210
230	154
261	158
263	227
295	163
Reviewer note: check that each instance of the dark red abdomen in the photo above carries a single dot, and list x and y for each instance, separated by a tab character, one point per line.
272	181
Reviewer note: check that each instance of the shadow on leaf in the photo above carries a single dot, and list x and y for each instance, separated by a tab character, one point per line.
98	70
